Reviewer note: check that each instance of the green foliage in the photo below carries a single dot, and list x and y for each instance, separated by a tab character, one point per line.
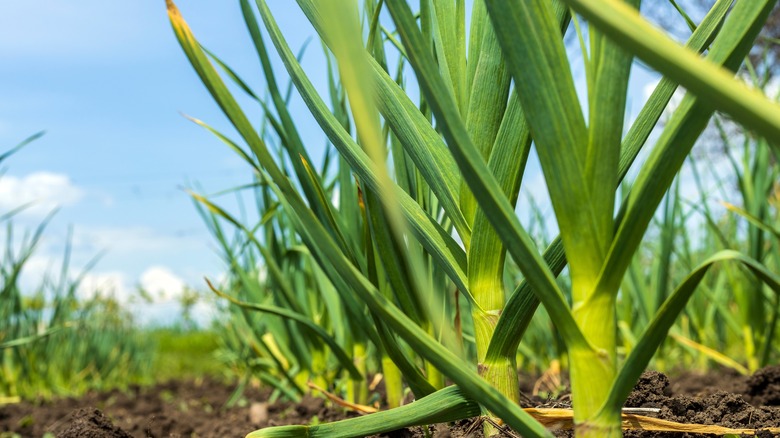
55	344
397	250
185	354
51	342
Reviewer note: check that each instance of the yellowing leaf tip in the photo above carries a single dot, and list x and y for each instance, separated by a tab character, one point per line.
173	11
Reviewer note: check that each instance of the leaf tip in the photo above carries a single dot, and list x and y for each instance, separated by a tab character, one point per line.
173	11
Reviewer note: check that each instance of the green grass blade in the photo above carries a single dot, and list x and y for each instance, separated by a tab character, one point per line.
232	75
445	405
344	359
18	342
668	231
487	104
273	382
340	25
352	305
24	143
481	181
610	67
224	99
521	306
651	112
14	211
675	143
684	15
476	34
230	143
418	138
431	235
755	221
449	36
711	83
657	331
395	260
536	57
299	157
424	146
487	254
413	375
324	249
374	42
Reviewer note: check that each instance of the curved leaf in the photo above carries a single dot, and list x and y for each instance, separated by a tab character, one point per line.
344	359
480	179
522	305
337	266
24	143
445	405
431	235
712	84
657	331
675	143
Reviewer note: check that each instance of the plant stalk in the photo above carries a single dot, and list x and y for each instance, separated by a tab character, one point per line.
594	368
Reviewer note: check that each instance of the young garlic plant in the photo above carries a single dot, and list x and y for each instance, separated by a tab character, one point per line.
508	87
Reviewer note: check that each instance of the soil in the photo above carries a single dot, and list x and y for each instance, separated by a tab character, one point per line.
196	409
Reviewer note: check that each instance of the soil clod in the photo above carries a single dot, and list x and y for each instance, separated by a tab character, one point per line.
91	423
764	386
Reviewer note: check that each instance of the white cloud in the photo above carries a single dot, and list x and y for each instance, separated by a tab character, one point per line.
159	282
106	284
162	284
165	288
45	190
203	313
37	268
132	263
134	239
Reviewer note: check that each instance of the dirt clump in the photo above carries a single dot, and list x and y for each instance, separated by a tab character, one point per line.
91	423
764	387
709	405
650	392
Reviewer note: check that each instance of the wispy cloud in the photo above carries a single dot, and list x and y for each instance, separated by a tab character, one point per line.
160	303
45	191
113	284
159	284
162	284
132	241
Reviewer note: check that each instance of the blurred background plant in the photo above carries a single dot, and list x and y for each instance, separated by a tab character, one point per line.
725	198
57	339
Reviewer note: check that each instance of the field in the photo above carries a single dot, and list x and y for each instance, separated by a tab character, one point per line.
485	234
197	408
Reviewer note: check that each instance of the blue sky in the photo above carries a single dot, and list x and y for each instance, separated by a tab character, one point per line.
107	81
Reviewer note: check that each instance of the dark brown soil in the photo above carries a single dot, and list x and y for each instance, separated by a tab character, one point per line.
196	409
730	400
173	409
